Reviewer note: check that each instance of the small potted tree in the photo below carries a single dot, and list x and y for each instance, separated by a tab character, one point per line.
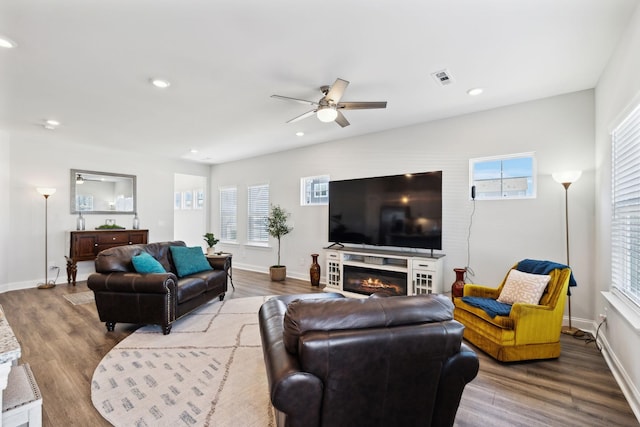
211	242
277	227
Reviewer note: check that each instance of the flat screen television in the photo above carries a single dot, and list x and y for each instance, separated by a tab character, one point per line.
399	210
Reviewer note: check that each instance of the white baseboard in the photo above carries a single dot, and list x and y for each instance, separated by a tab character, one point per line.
16	286
260	269
625	383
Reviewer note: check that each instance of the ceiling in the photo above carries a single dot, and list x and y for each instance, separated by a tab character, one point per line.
87	64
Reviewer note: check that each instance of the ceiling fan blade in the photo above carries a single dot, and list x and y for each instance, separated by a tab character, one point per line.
302	116
361	105
301	101
336	91
342	120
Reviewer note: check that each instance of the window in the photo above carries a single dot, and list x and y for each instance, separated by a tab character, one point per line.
625	212
229	214
503	177
314	190
258	205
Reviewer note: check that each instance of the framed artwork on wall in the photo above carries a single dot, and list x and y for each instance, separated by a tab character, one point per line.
177	200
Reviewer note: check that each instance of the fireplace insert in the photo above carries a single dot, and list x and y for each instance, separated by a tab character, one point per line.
367	281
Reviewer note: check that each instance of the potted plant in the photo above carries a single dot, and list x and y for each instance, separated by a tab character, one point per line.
211	242
277	227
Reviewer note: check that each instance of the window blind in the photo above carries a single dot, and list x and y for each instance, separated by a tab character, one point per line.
625	216
258	205
229	214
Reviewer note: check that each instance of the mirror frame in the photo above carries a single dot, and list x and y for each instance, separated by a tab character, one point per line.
73	192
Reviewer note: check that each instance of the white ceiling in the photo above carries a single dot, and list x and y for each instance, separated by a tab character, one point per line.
87	64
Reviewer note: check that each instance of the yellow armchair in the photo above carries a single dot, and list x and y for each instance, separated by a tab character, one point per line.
529	332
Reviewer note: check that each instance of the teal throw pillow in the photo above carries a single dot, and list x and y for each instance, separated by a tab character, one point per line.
145	263
189	260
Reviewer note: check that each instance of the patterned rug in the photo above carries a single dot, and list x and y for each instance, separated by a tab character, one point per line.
80	298
208	371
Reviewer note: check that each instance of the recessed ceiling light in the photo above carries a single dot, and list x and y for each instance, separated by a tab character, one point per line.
299	133
193	151
7	43
160	83
475	91
52	122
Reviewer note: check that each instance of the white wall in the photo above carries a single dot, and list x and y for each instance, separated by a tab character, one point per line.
5	208
189	225
42	158
617	90
558	129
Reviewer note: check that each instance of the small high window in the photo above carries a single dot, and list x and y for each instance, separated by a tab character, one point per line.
503	177
314	190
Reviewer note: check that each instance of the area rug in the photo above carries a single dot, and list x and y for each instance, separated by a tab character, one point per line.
208	371
80	298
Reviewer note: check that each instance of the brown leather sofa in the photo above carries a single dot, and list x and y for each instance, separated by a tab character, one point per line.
122	295
394	361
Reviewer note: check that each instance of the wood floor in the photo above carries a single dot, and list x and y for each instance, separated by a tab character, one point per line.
64	343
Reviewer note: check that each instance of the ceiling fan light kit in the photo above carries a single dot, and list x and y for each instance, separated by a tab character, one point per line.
327	114
328	108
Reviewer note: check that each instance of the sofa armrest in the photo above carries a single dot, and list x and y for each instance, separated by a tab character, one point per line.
295	393
471	290
536	323
157	283
457	371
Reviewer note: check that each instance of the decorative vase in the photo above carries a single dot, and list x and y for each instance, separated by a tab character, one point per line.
314	271
80	222
136	222
457	289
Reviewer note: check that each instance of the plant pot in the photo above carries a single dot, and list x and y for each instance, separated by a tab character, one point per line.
278	273
211	250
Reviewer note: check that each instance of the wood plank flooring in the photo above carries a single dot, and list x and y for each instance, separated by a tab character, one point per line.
64	343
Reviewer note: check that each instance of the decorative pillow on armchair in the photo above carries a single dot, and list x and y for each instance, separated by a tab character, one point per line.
189	260
523	287
146	263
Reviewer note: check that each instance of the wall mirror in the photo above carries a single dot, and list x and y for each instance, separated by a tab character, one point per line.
102	192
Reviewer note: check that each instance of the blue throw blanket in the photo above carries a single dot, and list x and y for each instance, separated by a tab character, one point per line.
544	267
492	307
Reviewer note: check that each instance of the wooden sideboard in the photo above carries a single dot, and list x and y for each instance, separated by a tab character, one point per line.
85	245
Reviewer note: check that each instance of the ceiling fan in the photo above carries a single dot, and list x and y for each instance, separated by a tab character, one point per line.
328	108
81	179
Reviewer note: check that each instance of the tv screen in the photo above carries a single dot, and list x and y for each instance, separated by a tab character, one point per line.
399	210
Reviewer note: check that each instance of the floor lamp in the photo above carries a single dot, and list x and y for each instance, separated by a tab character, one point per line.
46	192
566	179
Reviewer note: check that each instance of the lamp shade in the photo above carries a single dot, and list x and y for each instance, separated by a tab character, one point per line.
46	191
327	114
566	177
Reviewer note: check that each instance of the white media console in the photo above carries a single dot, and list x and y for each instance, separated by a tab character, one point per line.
359	272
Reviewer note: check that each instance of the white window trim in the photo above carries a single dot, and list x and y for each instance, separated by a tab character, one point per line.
625	256
220	192
303	192
252	241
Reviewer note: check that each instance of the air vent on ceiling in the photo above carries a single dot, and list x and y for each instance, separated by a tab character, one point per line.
443	77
